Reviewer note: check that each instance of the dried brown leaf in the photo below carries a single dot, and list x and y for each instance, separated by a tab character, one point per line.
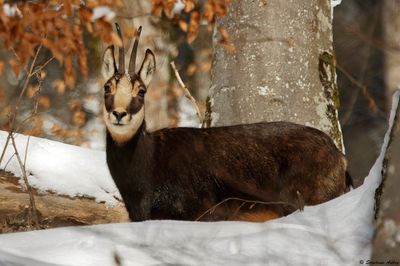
59	85
32	90
2	95
1	67
44	101
194	24
79	118
183	25
189	5
191	69
14	65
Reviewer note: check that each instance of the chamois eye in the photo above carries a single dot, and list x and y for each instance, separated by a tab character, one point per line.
141	92
107	88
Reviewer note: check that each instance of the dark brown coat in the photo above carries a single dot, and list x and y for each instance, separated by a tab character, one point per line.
180	173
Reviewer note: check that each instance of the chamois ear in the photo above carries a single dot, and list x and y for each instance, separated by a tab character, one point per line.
108	67
148	67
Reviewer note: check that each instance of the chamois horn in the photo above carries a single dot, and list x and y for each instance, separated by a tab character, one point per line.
121	67
132	61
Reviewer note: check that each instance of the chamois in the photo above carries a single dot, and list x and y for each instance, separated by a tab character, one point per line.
180	173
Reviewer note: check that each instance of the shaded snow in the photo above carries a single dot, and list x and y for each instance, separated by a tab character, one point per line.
337	232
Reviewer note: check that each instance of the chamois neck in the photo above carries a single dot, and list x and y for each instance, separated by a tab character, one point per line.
131	142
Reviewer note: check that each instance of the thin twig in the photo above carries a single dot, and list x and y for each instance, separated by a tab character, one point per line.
9	160
187	92
19	59
213	208
12	118
26	151
238	209
362	73
14	113
363	88
26	82
27	119
42	67
353	80
5	147
33	212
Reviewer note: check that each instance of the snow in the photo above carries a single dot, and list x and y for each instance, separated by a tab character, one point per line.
337	232
62	168
335	3
103	11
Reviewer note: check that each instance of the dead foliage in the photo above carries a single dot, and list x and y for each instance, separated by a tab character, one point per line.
59	26
194	14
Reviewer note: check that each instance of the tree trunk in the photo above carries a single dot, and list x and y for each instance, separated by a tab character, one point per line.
386	242
391	35
283	67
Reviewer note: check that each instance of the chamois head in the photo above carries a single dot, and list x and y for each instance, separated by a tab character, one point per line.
124	91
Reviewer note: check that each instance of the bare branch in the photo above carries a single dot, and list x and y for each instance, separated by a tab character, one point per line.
14	113
213	208
29	74
187	92
40	68
5	147
12	119
363	89
33	212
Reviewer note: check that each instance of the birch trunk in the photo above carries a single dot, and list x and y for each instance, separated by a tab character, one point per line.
283	67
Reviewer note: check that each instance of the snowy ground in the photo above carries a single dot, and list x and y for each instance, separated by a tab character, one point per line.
62	168
334	233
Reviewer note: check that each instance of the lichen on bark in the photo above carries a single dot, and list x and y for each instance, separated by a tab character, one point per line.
327	75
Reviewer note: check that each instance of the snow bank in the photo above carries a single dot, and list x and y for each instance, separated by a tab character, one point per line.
334	233
62	168
337	232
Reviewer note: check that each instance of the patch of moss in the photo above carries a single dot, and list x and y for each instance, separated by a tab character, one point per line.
327	75
207	115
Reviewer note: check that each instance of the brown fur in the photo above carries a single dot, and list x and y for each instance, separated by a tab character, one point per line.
181	173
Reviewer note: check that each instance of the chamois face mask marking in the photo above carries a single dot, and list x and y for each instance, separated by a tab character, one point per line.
123	109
